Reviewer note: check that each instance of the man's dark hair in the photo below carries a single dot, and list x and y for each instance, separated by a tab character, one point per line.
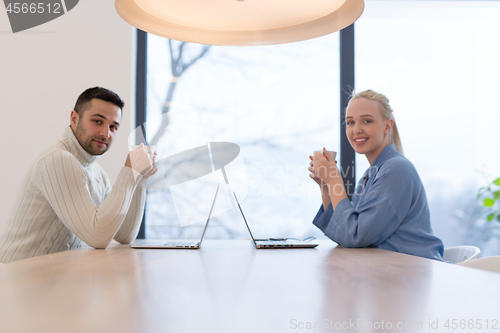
100	93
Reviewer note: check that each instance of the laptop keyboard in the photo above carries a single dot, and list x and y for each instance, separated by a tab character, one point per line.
181	244
271	242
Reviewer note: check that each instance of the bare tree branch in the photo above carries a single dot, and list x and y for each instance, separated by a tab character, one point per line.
178	67
172	60
203	52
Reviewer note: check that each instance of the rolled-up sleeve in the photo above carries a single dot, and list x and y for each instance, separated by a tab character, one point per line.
323	217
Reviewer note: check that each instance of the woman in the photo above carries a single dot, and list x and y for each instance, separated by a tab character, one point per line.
389	207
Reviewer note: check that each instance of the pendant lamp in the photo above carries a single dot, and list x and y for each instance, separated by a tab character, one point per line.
240	22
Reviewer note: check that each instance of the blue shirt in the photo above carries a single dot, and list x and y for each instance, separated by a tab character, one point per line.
388	210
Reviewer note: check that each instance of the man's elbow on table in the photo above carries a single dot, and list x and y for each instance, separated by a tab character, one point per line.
127	240
99	244
126	236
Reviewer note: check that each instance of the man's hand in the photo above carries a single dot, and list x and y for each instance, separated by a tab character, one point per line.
153	170
140	161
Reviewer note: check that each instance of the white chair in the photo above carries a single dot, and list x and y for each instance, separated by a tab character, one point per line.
456	254
491	264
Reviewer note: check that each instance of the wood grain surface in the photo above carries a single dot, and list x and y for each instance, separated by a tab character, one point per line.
229	286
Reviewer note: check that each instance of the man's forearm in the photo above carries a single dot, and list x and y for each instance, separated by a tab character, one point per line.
64	184
132	222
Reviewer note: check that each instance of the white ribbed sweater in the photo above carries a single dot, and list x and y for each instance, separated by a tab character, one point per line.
66	198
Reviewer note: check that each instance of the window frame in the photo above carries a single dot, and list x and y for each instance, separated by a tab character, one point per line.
347	84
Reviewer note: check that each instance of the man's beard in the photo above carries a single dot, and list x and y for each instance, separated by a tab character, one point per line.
86	141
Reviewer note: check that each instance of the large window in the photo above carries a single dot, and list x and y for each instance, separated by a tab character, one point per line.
278	103
437	61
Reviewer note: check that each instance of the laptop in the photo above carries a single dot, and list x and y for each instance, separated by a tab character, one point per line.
175	244
271	243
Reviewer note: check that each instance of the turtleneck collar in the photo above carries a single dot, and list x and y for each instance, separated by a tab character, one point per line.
74	147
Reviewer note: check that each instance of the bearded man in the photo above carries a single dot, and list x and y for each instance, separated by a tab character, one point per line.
66	199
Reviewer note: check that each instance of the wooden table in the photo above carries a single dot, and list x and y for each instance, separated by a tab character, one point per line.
229	286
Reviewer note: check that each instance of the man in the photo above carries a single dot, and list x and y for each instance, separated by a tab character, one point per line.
66	198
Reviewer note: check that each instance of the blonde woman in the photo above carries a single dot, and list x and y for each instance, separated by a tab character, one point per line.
389	207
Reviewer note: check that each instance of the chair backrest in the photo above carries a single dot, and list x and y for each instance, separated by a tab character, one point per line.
491	264
460	253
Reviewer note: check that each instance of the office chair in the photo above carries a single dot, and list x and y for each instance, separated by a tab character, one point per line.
456	254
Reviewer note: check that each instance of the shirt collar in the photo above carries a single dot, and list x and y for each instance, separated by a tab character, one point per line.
388	152
71	142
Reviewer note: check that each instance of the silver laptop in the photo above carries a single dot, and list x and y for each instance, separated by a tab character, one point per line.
271	243
174	244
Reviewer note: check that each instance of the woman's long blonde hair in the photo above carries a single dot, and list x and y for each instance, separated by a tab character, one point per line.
385	110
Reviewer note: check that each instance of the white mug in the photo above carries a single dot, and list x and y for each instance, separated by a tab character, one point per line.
151	149
333	154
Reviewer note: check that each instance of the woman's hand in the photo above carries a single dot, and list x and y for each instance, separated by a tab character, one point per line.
324	168
318	181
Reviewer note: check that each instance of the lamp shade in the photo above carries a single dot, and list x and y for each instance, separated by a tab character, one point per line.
240	22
